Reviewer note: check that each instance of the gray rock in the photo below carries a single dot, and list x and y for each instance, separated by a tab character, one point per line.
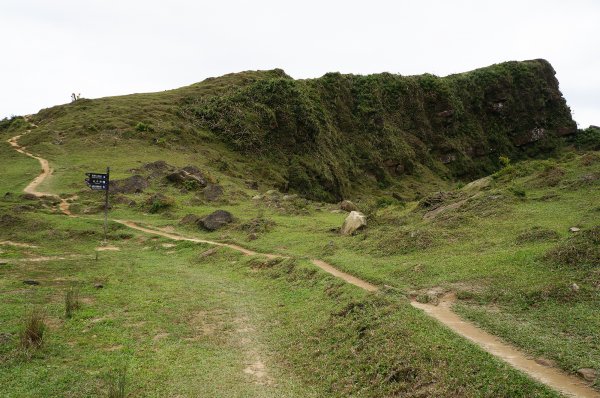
575	287
209	252
98	285
184	176
213	192
355	221
588	373
133	184
546	362
190	219
30	282
346	205
574	229
216	220
256	197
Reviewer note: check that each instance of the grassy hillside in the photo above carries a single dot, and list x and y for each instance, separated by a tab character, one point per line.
326	138
185	321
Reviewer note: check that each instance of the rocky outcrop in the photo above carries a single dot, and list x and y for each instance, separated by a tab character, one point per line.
315	130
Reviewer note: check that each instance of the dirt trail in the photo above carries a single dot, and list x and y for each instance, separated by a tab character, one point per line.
555	378
45	173
552	377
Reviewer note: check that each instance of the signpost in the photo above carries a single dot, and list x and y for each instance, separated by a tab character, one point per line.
100	182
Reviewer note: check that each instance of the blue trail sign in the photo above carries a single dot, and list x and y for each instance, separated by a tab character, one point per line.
97	181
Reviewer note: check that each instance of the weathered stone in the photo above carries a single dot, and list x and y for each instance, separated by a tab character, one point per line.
546	362
190	219
216	220
588	373
575	287
355	221
289	197
574	229
347	205
529	137
159	165
30	282
182	176
448	158
209	252
133	184
98	285
213	192
257	197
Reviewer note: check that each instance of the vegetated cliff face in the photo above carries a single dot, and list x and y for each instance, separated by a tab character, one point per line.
327	133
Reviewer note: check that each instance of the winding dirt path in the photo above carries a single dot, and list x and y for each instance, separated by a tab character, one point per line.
47	171
553	377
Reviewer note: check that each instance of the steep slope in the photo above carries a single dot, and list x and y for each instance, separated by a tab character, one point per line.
324	138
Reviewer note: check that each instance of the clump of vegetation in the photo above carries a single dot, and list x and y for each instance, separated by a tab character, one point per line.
537	234
258	225
579	250
117	383
72	302
551	176
159	202
390	241
33	330
141	127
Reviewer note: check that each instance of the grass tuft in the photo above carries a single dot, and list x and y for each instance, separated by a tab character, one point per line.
33	331
117	383
72	302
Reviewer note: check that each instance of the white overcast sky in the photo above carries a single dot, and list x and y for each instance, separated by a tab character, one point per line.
51	48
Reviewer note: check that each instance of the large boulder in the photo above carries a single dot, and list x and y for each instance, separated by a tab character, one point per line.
133	184
216	220
355	221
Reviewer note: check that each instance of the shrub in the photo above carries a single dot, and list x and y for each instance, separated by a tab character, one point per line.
34	328
71	302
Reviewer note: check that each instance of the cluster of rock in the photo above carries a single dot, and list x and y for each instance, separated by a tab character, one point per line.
188	178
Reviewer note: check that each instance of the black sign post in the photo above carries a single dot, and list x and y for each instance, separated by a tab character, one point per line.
100	182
